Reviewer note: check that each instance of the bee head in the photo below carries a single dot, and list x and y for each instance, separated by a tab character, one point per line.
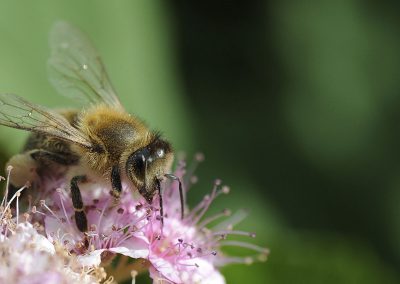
147	165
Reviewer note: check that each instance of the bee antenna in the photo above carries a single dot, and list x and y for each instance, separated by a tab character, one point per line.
173	177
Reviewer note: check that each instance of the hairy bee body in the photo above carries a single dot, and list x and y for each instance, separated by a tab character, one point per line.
101	140
33	163
114	136
111	132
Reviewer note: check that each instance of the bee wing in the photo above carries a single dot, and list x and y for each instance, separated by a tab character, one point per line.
76	69
17	112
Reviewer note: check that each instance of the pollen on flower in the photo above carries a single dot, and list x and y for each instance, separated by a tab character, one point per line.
189	251
112	227
177	250
29	257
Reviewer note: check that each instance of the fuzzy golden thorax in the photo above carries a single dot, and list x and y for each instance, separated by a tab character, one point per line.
114	134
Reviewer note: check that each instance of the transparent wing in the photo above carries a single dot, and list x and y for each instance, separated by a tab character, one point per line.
75	67
16	112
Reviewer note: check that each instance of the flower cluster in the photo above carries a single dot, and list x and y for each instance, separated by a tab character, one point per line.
29	257
173	249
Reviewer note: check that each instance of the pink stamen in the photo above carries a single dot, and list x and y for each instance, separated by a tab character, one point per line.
240	260
198	158
238	233
17	207
8	204
208	253
198	207
4	201
189	265
245	245
207	203
168	251
43	204
231	221
205	222
59	191
102	213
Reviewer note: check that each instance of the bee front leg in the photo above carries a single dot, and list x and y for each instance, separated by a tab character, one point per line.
80	215
116	182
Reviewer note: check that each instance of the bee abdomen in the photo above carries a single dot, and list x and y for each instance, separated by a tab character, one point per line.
45	145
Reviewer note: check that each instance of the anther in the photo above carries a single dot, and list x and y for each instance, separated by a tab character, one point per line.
225	189
262	257
134	273
199	157
194	179
26	216
248	260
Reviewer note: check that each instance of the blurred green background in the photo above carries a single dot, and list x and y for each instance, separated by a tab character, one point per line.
296	105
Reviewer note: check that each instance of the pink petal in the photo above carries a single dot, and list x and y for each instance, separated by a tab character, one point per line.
41	278
133	247
134	253
92	258
203	272
163	269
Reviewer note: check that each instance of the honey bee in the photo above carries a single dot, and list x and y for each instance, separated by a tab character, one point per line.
101	139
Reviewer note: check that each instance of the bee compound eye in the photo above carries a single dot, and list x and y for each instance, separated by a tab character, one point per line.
136	164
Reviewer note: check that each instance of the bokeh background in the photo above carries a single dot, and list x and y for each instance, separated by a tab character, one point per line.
295	104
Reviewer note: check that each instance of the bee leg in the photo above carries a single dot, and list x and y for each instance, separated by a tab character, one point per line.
158	185
173	177
80	216
115	182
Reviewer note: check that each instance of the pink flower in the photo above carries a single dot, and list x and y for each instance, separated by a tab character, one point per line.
178	250
185	250
29	257
114	227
